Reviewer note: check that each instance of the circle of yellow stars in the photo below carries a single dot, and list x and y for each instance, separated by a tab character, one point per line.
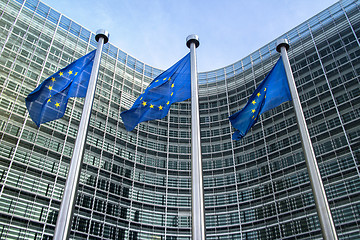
70	72
254	102
160	107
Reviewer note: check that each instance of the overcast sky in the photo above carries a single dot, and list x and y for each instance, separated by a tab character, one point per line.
155	31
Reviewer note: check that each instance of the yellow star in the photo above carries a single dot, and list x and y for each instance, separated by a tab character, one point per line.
151	106
169	78
253	102
157	80
60	74
168	102
53	79
50	88
164	79
160	107
264	89
57	104
172	85
70	72
144	104
171	94
76	73
49	100
258	94
141	98
253	110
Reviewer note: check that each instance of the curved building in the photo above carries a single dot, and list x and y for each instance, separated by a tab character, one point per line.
136	185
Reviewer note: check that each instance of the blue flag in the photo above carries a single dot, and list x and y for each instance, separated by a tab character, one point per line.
271	92
171	86
48	101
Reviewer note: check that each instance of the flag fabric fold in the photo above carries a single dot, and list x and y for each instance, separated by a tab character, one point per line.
271	92
171	86
49	100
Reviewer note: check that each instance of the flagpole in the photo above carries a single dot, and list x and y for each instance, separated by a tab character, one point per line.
197	186
321	203
64	220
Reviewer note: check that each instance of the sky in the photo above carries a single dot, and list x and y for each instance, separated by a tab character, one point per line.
155	31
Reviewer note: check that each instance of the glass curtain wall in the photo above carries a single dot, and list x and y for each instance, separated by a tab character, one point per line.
136	185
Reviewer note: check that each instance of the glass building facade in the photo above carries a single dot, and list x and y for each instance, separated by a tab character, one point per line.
136	185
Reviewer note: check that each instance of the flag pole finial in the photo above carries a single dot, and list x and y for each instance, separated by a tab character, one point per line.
192	38
102	33
282	43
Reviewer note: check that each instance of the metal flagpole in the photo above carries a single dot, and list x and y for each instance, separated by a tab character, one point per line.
197	186
321	203
63	223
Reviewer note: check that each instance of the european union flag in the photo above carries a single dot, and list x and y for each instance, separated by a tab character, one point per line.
171	86
48	101
271	92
